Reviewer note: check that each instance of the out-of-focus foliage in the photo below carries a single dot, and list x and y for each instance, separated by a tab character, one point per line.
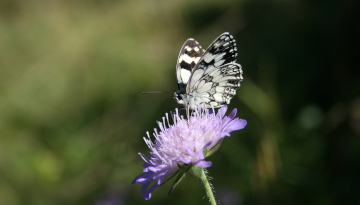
72	117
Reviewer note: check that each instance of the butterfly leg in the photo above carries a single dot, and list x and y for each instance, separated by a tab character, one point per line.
187	112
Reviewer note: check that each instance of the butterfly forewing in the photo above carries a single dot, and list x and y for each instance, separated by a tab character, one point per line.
189	56
220	52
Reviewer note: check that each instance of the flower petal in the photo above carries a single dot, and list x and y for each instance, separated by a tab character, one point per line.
200	154
233	113
142	178
203	163
221	112
186	160
148	193
236	124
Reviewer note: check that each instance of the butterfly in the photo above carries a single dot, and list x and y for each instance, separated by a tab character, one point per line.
208	77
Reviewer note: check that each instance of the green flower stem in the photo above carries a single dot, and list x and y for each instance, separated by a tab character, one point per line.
200	172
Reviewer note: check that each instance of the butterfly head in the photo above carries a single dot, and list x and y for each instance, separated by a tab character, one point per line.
178	96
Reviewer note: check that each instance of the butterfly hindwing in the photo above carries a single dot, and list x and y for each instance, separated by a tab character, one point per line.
189	56
220	52
218	87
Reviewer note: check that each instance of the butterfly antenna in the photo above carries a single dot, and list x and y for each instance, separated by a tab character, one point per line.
152	92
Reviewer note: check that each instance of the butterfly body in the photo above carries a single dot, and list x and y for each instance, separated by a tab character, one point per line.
208	77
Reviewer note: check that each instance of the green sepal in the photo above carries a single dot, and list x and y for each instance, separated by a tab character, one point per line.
205	151
181	175
185	166
197	171
170	177
208	153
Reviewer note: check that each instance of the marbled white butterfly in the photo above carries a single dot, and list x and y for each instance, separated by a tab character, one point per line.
208	77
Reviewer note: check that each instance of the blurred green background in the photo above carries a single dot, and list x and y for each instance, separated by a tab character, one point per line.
72	117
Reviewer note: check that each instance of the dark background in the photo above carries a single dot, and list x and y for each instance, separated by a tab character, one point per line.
72	117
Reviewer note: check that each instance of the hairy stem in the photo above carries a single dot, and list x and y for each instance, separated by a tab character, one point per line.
207	186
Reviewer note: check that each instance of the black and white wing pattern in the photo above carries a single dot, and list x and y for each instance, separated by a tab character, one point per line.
215	77
189	56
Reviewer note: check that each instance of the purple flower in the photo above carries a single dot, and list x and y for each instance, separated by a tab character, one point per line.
184	143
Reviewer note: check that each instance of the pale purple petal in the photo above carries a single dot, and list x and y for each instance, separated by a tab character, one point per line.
207	144
200	155
221	112
189	151
236	124
233	114
148	192
184	159
142	178
203	163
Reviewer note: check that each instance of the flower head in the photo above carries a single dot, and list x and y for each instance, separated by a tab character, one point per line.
184	143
